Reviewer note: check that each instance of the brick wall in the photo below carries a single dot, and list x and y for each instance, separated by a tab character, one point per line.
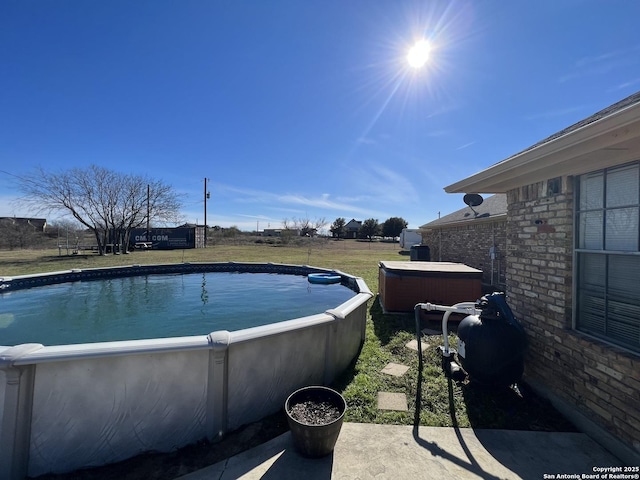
601	381
470	244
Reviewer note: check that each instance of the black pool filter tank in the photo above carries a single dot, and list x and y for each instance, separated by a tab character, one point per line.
491	346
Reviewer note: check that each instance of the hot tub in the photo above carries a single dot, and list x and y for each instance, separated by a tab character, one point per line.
404	284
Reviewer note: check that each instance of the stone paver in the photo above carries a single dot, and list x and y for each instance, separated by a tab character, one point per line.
413	344
395	369
392	401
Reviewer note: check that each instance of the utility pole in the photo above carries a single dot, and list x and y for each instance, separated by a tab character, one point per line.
148	239
207	195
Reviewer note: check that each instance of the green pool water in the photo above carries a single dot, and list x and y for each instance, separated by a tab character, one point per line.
159	306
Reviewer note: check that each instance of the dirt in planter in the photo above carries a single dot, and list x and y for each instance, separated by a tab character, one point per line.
314	412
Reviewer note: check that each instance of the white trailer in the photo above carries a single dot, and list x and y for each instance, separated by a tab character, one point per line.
410	237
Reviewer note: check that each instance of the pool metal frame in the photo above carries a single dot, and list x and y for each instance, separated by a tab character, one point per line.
75	406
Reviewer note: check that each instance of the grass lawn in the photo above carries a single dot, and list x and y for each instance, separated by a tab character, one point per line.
433	398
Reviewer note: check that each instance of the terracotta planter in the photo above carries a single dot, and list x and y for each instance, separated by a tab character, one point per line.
315	439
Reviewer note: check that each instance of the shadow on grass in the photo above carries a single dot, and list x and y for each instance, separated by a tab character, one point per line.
386	326
44	259
66	258
342	381
506	408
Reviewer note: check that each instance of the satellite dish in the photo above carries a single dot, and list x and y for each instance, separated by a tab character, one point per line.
473	200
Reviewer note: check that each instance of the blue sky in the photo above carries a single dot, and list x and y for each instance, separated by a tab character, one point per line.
300	108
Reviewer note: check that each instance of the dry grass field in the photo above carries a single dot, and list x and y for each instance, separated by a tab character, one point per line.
350	256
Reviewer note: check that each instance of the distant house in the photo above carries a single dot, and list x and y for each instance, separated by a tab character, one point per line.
474	236
573	268
272	232
38	224
352	228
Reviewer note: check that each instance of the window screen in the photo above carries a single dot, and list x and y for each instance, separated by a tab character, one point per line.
608	255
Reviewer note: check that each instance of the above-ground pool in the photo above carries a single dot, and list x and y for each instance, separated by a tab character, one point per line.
73	405
159	306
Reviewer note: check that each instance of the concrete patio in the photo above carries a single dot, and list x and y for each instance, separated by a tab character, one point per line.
371	451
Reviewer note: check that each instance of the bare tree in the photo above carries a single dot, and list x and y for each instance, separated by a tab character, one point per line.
304	226
108	203
319	224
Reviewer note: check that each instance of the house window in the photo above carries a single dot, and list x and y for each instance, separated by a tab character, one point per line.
554	186
608	255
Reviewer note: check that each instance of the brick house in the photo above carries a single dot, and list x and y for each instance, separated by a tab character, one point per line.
573	268
474	236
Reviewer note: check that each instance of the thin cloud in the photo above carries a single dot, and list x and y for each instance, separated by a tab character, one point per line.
466	145
321	202
255	217
275	200
244	195
353	199
625	85
598	59
294	211
602	64
387	186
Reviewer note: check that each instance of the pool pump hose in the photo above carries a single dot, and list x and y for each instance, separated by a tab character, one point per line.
466	308
416	311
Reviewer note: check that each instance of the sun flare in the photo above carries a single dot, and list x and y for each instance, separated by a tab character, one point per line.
419	54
